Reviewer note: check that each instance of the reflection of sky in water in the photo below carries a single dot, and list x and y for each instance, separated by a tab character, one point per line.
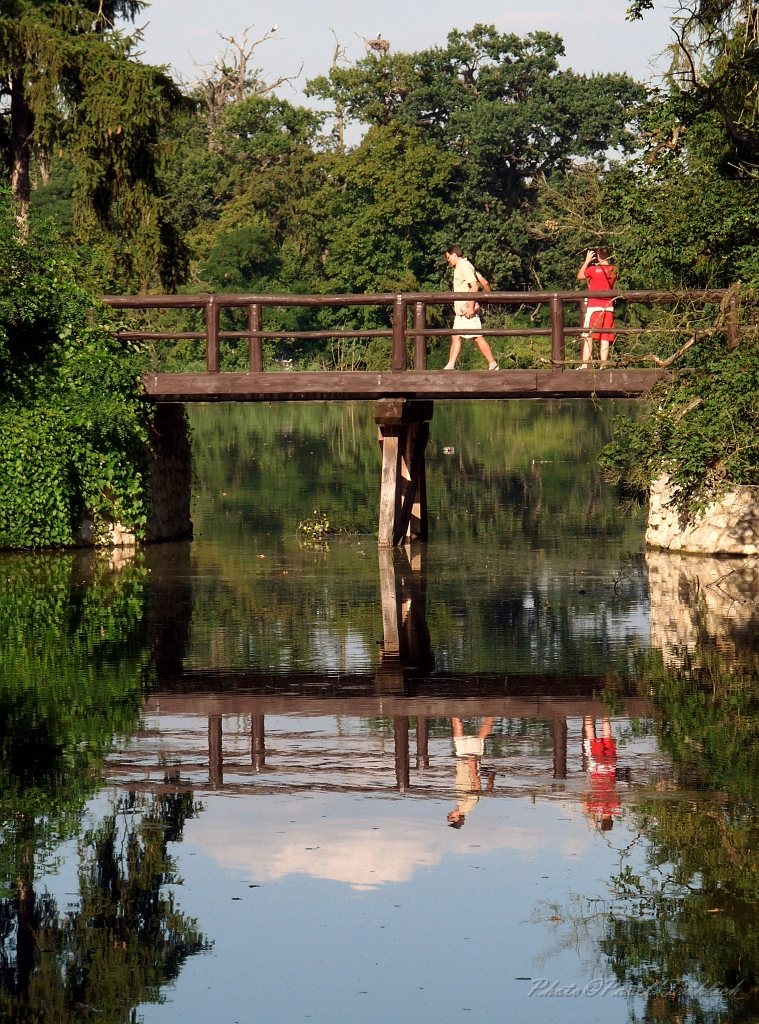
459	915
368	846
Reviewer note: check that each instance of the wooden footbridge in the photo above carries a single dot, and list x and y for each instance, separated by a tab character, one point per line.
404	395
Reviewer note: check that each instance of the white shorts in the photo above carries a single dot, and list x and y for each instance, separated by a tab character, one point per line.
467	323
469	746
591	311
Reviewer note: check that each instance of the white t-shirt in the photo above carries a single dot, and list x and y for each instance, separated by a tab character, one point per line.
463	276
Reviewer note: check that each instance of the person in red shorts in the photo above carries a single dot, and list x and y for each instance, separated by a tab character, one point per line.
601	276
600	762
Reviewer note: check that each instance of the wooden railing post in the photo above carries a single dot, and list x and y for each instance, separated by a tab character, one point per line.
420	340
212	334
402	765
422	742
215	752
255	345
399	334
560	748
257	743
557	332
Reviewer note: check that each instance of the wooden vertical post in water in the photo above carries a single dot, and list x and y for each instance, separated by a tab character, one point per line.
391	613
212	335
403	435
257	743
215	752
560	748
420	340
255	345
400	734
557	332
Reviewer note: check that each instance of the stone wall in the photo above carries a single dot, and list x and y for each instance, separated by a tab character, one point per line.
704	607
729	526
169	485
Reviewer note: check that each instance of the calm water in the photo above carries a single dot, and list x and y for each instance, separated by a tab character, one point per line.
510	774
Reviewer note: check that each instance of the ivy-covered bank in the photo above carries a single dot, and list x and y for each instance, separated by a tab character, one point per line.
73	426
701	429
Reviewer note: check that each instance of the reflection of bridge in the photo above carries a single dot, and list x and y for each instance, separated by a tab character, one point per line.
403	421
233	749
220	702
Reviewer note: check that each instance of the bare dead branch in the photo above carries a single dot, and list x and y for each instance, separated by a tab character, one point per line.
229	77
664	363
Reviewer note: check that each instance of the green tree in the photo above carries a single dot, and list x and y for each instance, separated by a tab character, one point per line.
715	62
503	108
76	85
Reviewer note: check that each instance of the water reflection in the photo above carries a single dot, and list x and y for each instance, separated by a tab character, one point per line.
229	781
75	661
704	607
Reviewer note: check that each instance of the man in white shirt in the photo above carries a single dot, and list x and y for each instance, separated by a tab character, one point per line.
469	751
466	319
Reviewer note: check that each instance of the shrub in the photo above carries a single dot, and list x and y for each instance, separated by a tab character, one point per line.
73	425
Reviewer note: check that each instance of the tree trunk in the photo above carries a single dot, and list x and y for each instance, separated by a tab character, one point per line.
45	174
22	124
26	936
26	925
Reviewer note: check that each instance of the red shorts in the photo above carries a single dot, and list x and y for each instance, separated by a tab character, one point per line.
601	318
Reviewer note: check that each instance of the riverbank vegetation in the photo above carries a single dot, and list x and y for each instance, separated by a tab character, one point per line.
73	425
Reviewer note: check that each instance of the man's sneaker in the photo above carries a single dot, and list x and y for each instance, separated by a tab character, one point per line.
493	366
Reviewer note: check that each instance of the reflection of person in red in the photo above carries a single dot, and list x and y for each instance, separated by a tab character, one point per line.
600	762
601	277
469	751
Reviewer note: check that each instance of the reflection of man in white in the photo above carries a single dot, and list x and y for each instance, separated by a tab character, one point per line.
469	751
466	319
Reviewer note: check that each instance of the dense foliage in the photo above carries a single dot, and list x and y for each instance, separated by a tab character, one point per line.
73	427
79	94
702	431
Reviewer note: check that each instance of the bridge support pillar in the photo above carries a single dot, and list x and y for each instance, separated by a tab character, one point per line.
403	434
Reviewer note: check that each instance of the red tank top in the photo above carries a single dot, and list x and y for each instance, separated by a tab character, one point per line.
600	279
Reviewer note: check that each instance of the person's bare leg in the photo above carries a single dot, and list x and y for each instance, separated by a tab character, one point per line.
474	774
587	351
588	733
486	728
604	351
606	728
455	352
458	727
486	350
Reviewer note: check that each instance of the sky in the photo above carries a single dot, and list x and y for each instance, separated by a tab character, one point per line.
596	35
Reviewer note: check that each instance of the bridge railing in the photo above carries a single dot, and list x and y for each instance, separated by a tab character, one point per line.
400	307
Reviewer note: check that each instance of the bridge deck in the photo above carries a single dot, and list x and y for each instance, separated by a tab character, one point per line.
366	385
